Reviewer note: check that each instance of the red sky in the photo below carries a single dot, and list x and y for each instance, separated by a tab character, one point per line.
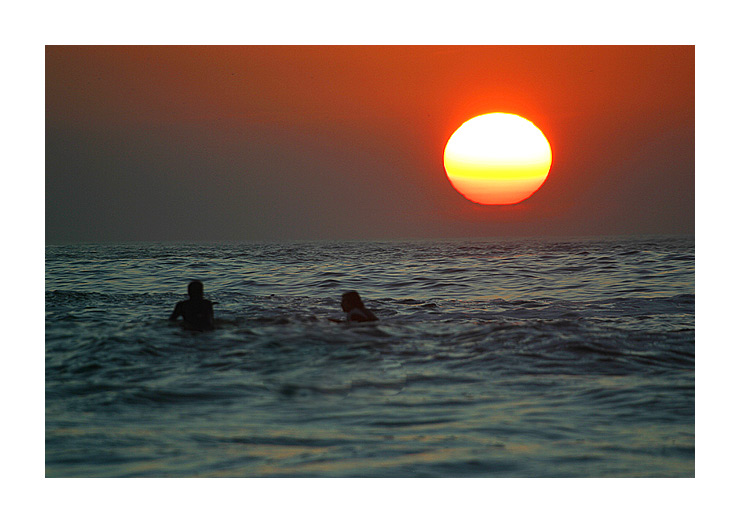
313	142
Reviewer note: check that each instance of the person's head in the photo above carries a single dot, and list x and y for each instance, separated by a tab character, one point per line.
351	300
195	289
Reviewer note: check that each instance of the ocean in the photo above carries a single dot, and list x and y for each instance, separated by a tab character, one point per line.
569	357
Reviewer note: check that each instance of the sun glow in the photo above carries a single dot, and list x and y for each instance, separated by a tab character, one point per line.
497	158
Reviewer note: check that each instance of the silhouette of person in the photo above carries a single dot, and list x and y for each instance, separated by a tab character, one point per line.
196	311
355	309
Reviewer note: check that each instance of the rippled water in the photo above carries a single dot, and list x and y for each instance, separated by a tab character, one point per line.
492	358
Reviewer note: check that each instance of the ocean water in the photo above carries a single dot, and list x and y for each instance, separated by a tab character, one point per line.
492	358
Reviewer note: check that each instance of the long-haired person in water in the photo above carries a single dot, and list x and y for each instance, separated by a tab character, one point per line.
355	309
196	311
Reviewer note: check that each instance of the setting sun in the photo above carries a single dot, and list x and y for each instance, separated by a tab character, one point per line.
497	158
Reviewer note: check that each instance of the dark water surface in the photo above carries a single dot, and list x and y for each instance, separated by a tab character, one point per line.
492	359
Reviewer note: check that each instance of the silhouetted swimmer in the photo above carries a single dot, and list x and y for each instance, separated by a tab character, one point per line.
196	311
355	309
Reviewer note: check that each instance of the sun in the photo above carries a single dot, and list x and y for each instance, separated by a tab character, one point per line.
497	159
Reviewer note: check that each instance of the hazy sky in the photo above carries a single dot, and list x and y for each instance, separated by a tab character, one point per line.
311	142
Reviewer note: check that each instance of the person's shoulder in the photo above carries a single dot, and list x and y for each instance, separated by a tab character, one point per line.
361	315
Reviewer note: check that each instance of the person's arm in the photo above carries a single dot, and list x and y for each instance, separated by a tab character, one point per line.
209	313
177	312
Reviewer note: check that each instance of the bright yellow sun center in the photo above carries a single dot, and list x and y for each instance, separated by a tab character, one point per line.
497	158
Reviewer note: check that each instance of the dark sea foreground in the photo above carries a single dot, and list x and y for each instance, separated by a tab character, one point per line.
517	358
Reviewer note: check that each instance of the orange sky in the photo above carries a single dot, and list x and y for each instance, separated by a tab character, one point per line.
241	143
